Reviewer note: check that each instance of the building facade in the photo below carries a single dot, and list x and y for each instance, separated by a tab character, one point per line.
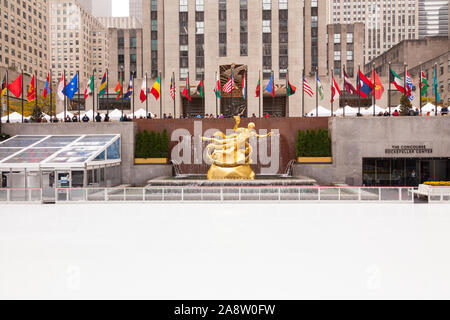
433	18
24	36
136	8
387	22
102	8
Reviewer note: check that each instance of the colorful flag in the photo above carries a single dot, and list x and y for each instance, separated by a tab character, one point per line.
319	87
244	88
335	90
172	89
4	86
31	95
201	89
143	93
89	87
258	88
187	89
118	88
436	86
379	89
364	85
15	87
409	86
217	89
396	81
156	90
61	86
229	86
103	85
424	84
348	86
271	86
72	87
307	88
129	93
290	89
47	88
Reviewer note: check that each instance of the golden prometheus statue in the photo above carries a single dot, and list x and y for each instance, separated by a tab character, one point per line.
231	156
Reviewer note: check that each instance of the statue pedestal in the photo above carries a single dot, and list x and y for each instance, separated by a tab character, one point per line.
242	172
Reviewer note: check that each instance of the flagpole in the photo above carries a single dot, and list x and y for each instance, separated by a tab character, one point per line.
420	89
146	96
121	94
79	100
217	107
260	92
345	104
22	96
332	86
404	80
273	89
65	98
7	94
374	99
36	89
160	98
203	85
317	95
359	90
174	96
93	95
51	99
287	96
303	93
107	92
188	89
132	83
389	91
436	88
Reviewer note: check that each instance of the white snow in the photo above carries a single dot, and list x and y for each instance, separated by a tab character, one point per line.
225	251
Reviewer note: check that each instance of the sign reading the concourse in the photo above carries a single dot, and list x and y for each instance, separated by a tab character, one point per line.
409	149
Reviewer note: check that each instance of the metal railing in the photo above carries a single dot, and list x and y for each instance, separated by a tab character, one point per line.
216	194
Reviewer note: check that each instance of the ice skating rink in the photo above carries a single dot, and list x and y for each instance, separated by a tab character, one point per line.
225	251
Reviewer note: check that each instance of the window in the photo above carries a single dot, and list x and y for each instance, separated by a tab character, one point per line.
222	28
337	56
337	38
349	37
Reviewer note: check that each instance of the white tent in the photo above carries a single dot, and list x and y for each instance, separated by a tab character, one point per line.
369	111
46	116
349	111
115	115
323	112
139	113
429	107
60	116
14	117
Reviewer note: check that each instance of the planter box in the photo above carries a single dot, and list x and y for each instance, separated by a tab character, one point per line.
150	160
315	160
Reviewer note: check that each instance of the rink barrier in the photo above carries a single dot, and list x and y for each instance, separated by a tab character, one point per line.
215	194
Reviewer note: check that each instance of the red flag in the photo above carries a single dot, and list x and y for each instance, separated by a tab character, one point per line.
15	87
336	90
378	86
31	96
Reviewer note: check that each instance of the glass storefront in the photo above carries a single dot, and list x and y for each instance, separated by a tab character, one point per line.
402	172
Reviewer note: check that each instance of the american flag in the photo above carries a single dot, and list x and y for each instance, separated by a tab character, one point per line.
172	89
229	86
307	88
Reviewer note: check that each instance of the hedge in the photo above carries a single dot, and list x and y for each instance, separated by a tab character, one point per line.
313	143
4	137
152	145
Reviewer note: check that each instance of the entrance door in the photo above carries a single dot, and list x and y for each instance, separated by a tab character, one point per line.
425	171
48	186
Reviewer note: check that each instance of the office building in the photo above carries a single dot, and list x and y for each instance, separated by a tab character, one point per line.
102	8
136	8
433	18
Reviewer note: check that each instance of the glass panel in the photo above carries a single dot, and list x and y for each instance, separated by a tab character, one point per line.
412	173
33	155
369	172
398	173
56	141
100	157
383	176
113	151
77	179
94	141
21	141
7	152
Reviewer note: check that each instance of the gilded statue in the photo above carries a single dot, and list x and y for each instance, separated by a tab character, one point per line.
231	156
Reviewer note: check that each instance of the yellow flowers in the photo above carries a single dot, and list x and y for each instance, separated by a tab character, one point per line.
438	183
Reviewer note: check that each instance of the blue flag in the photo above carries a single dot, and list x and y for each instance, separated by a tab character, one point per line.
270	87
436	86
129	93
72	87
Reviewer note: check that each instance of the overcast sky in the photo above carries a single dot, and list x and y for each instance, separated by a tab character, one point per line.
120	8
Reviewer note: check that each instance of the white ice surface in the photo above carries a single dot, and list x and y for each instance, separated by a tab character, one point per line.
225	251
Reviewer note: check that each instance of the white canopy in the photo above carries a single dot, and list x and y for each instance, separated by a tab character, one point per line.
139	113
323	112
14	117
369	111
60	116
429	107
116	114
349	111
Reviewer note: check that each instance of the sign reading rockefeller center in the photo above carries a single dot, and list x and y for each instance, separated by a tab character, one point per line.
409	149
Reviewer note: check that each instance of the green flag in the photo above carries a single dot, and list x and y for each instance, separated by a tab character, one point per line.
201	89
436	86
424	82
319	87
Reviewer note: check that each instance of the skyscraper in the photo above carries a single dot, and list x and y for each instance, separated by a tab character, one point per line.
102	8
433	18
136	8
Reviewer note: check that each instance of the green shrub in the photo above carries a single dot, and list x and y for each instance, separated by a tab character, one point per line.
152	145
313	143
